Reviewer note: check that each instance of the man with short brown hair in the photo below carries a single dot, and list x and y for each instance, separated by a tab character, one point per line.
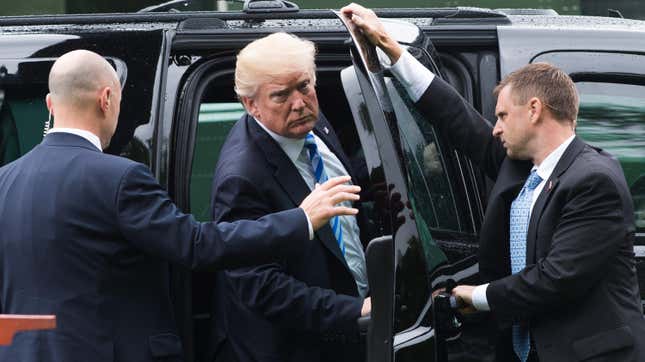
546	82
556	242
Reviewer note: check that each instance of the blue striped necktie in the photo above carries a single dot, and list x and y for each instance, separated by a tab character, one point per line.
519	224
320	177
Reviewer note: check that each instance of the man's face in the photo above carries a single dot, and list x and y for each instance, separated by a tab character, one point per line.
287	105
513	125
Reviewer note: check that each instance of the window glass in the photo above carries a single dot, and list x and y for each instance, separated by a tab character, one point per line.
612	117
23	111
215	121
433	198
22	118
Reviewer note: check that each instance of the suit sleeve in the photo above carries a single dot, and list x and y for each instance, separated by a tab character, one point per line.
268	289
151	221
584	246
466	128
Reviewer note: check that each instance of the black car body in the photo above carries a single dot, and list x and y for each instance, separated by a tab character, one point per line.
178	104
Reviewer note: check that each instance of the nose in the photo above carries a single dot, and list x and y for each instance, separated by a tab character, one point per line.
298	103
497	130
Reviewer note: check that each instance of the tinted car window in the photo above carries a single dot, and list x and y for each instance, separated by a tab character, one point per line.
434	187
612	117
214	122
22	118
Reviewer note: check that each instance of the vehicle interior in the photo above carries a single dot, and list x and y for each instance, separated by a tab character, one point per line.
431	166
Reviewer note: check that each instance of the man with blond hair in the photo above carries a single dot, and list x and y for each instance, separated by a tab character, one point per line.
87	236
298	307
556	243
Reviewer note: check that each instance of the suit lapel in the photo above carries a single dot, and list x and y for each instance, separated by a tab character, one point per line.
285	172
512	176
290	179
326	133
550	186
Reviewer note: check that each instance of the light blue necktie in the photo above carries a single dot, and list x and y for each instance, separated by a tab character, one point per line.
520	212
320	177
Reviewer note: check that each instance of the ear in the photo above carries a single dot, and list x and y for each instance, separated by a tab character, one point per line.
536	107
104	99
250	106
48	102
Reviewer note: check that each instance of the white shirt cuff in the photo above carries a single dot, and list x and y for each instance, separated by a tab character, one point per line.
311	228
480	302
414	77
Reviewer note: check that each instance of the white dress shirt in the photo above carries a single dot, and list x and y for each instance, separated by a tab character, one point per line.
544	170
416	79
295	151
91	137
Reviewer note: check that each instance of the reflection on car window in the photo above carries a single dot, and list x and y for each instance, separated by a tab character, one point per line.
214	122
612	117
432	196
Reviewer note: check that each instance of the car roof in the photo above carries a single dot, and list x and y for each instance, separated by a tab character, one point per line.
305	20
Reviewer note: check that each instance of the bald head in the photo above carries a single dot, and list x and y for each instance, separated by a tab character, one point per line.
76	78
84	93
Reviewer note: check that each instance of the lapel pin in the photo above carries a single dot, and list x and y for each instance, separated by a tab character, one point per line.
550	185
326	130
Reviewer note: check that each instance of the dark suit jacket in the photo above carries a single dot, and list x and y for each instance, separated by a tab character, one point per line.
85	236
299	307
579	290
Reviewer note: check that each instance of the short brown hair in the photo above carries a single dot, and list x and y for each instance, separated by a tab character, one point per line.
548	83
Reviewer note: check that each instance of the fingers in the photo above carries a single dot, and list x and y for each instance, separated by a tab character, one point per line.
464	292
354	8
367	307
341	210
357	14
348	10
356	19
344	196
345	188
334	181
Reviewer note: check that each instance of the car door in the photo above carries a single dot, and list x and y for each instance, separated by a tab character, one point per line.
606	65
432	215
24	67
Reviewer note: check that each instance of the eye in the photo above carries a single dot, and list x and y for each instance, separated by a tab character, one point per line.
280	97
304	87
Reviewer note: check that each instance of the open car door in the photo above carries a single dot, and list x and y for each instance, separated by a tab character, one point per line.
432	239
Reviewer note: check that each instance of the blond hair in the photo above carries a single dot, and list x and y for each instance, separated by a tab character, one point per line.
550	84
270	57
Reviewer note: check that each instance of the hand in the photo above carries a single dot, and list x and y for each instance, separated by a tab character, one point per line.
373	29
320	205
367	307
464	295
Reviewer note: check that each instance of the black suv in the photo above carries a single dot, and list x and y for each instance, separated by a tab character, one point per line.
178	105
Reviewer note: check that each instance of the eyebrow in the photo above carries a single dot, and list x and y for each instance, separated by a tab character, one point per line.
280	92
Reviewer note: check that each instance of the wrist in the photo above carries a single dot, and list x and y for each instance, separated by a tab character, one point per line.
391	47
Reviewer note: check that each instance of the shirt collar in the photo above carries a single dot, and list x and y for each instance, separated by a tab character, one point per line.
291	146
91	137
548	165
